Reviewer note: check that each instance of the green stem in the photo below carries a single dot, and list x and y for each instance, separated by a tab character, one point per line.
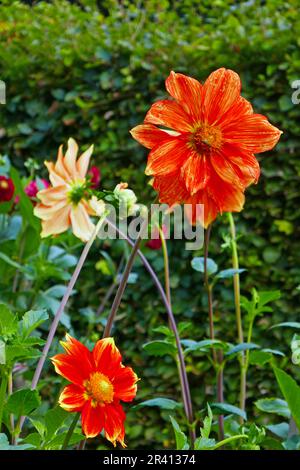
237	303
168	295
3	388
70	431
11	416
217	361
230	439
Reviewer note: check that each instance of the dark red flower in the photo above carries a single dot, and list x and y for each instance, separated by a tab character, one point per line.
7	189
95	176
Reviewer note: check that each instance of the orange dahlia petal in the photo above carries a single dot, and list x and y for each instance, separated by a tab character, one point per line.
125	384
171	188
107	357
71	368
226	170
196	172
72	398
253	133
201	208
167	157
169	114
114	423
241	107
92	419
227	197
245	161
187	91
221	89
150	135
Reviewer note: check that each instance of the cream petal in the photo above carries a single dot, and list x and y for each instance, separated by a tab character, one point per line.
60	167
81	223
47	212
52	195
84	161
59	223
55	178
70	157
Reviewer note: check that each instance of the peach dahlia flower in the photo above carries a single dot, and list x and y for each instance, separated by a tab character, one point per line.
66	203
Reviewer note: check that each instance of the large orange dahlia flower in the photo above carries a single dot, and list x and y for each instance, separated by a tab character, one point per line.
64	203
99	383
205	152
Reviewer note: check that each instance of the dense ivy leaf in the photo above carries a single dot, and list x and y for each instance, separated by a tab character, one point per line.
23	402
274	405
180	437
291	392
163	403
198	265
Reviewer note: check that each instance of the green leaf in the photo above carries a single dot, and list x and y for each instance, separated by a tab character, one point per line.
226	273
180	437
207	422
23	402
287	324
203	443
5	445
160	348
281	429
20	352
54	419
203	345
259	358
242	347
198	265
163	403
291	393
228	409
273	405
31	320
8	321
26	206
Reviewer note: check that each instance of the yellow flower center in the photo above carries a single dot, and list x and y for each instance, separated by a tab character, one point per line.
206	138
100	389
3	184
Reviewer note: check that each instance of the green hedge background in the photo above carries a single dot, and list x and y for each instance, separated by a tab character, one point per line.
92	72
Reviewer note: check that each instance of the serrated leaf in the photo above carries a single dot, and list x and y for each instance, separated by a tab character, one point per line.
163	403
54	419
8	322
180	437
31	320
273	405
204	443
207	422
198	265
23	402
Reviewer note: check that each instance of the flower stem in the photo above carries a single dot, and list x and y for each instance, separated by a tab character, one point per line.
166	264
217	361
185	389
70	431
3	388
237	303
230	439
11	416
61	307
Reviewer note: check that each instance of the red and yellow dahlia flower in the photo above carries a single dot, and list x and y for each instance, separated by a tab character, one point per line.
64	203
99	382
205	152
